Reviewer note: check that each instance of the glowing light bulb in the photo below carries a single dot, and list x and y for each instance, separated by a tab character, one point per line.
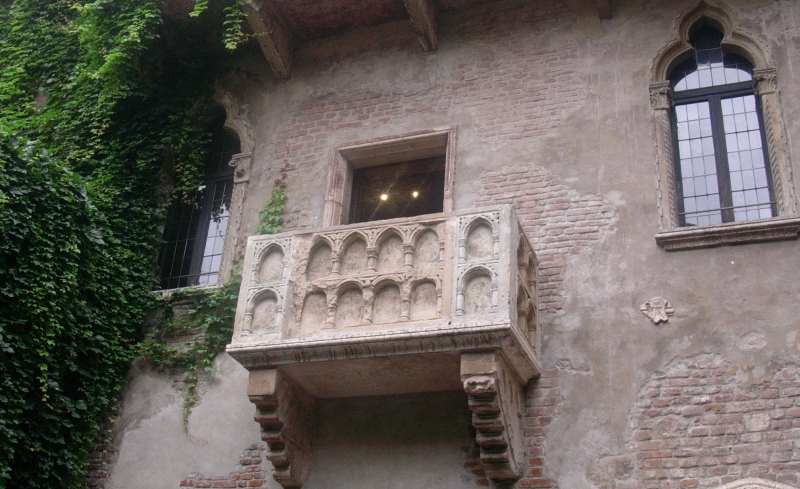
384	197
414	194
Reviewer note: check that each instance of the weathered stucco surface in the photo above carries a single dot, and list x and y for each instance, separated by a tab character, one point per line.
551	108
155	451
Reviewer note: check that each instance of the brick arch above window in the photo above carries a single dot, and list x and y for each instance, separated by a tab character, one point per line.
786	225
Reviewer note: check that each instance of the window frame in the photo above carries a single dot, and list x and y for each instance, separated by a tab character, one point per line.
376	152
714	95
219	172
670	235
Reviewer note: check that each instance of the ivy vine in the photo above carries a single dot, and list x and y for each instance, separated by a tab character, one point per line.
105	117
208	320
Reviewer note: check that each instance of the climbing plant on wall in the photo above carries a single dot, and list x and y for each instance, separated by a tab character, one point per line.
207	319
105	112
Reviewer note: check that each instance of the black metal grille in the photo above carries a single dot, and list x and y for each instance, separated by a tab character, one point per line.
194	234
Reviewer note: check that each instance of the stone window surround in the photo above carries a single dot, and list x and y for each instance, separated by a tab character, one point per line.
381	151
786	225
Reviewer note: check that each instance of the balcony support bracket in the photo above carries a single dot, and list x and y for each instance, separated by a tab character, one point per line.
285	413
495	397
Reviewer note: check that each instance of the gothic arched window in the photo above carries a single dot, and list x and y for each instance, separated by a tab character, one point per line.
722	164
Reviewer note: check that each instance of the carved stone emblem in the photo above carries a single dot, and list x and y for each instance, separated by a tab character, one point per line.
657	310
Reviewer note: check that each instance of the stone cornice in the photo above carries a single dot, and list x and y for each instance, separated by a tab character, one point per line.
516	350
729	234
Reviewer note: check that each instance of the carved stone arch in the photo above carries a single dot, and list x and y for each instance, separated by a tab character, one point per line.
388	233
319	263
313	311
349	238
734	39
382	280
428	251
424	303
236	119
419	231
349	259
350	301
268	294
744	44
389	300
753	483
465	303
387	256
263	255
477	221
475	245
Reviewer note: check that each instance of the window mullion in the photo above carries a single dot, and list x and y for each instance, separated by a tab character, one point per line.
721	157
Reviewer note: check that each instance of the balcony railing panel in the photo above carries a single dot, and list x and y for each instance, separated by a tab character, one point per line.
440	275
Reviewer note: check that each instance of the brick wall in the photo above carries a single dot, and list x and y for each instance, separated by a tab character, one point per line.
543	399
514	84
702	422
250	473
558	221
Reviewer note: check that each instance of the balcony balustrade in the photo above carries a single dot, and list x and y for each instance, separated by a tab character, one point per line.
421	304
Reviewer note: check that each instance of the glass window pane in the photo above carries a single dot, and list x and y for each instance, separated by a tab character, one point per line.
729	122
711	184
698	167
683	131
738	105
758	158
748	175
701	203
727	107
694	129
686	168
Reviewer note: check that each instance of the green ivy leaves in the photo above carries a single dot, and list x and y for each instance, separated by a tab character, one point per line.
104	114
271	215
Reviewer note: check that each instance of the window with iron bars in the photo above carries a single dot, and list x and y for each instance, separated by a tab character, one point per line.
194	233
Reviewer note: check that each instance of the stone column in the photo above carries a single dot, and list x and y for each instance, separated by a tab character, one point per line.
661	105
777	148
233	250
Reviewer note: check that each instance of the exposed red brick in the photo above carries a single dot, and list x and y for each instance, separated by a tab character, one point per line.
747	432
249	473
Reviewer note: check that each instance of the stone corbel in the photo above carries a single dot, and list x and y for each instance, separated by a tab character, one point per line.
494	394
241	165
285	413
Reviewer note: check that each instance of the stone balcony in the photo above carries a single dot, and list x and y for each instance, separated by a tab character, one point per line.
423	304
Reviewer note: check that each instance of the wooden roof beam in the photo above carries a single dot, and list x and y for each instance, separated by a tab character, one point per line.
422	14
272	35
604	9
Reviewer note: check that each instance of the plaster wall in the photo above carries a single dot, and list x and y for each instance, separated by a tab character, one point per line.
551	108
